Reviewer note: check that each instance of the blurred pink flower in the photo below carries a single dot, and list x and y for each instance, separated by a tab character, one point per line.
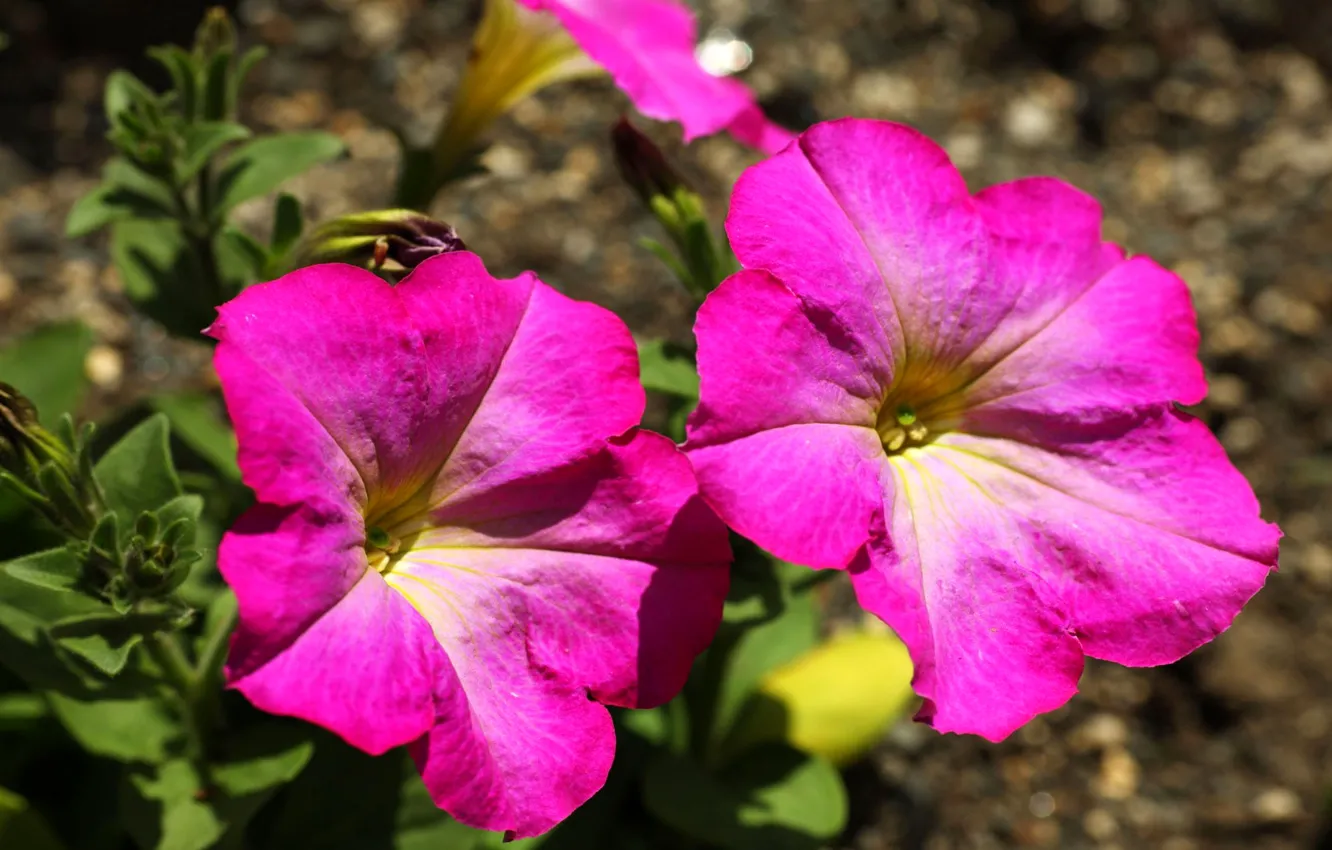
648	47
460	535
968	402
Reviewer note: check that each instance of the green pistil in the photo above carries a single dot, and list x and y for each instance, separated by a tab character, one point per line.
906	415
378	538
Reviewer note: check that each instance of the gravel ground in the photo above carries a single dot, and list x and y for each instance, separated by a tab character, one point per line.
1200	124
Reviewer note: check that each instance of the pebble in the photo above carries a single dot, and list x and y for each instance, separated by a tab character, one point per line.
1119	775
104	366
1030	122
1277	805
1100	732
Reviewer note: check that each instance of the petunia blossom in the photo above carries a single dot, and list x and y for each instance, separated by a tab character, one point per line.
462	543
968	402
648	47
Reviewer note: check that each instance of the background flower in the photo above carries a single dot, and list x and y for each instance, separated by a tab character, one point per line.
969	403
648	46
460	535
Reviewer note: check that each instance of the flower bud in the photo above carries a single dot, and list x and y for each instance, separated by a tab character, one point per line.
405	236
216	34
643	166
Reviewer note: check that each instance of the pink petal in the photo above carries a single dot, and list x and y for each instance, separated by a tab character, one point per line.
765	362
806	493
1129	340
550	592
365	669
565	381
1151	536
751	127
648	48
963	587
344	361
785	220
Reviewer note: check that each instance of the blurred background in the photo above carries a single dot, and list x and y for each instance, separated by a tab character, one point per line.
1204	126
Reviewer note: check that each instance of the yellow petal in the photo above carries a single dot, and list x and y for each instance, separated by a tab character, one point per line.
516	51
837	700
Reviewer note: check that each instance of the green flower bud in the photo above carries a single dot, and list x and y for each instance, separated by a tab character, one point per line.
216	34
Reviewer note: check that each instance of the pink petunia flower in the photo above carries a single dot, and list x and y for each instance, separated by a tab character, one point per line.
461	540
968	402
648	47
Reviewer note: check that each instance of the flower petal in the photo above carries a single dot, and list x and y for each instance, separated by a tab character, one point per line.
344	361
366	669
963	588
565	380
1045	252
806	493
1153	538
603	579
765	361
648	48
1008	561
1129	340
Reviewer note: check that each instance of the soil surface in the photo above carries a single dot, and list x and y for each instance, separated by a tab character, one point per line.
1205	128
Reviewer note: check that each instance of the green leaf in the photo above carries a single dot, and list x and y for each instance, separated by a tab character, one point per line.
776	799
261	757
202	143
256	764
19	710
752	649
47	367
106	204
244	65
672	262
162	276
199	421
137	473
184	71
422	826
666	370
163	809
129	729
122	89
105	640
288	223
126	191
343	800
261	166
56	569
241	258
21	827
215	86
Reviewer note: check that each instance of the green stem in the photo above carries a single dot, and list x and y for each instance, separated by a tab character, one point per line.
165	650
208	670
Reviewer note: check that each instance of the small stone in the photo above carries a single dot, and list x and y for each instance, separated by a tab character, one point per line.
1030	122
1119	775
30	231
1278	805
966	148
1227	392
1100	825
880	93
1101	732
1041	804
506	161
1242	435
104	366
